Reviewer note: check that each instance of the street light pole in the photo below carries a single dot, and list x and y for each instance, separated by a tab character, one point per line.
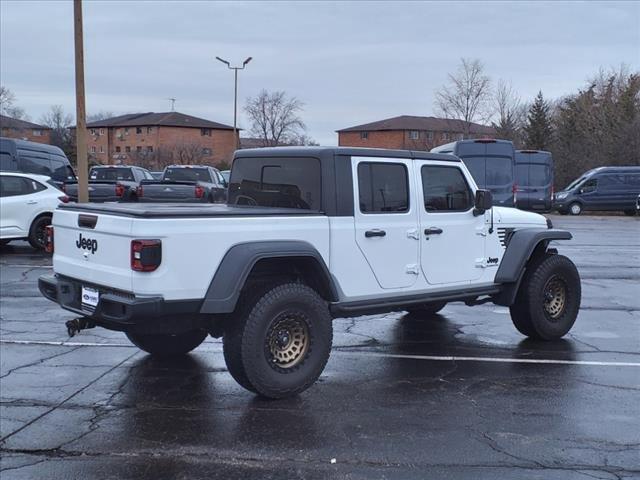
235	94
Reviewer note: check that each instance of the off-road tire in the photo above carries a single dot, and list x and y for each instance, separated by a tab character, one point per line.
37	234
426	309
168	345
247	342
575	208
4	242
536	315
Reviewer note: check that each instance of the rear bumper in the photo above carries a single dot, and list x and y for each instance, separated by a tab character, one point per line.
120	310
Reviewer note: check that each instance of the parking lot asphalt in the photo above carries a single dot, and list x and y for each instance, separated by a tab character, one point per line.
459	395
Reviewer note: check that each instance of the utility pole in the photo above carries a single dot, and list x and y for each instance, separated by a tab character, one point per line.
81	121
235	94
173	103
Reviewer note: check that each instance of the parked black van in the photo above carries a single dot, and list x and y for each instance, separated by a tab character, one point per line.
534	180
491	163
32	157
604	189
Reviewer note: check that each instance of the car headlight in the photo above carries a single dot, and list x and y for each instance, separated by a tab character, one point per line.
561	195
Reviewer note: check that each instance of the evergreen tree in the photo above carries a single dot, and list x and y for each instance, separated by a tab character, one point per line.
538	130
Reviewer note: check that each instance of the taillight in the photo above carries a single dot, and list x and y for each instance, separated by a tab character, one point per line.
48	239
139	191
199	191
64	199
119	190
146	255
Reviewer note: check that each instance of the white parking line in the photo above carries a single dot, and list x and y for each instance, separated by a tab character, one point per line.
434	358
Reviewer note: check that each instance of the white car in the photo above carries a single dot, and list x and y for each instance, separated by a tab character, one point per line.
27	202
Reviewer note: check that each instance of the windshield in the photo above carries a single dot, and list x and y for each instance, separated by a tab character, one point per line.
111	174
490	171
187	174
575	183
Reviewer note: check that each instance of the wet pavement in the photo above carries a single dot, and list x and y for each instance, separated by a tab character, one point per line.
460	395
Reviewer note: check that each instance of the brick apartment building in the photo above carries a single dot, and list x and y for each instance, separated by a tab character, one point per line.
156	139
14	128
410	133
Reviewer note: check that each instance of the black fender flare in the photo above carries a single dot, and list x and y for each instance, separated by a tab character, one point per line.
237	263
522	244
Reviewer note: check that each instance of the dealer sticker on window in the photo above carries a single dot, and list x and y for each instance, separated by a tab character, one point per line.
90	298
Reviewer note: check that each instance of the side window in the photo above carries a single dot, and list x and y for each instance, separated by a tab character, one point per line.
633	180
445	189
29	164
60	171
383	187
589	186
14	186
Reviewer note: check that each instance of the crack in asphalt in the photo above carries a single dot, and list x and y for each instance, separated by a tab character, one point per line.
40	360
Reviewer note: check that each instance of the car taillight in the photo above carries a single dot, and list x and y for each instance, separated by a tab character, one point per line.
64	199
48	239
119	190
139	191
199	191
146	255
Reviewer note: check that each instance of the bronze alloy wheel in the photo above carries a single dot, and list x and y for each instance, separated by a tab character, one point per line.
555	297
287	340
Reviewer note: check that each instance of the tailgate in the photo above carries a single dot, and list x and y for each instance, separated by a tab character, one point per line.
93	247
102	190
169	191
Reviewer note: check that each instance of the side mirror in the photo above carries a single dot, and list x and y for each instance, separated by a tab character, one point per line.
483	202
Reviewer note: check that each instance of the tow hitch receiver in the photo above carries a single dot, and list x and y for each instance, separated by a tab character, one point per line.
74	326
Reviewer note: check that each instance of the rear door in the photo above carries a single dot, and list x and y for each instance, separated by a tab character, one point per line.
523	189
14	193
452	237
386	222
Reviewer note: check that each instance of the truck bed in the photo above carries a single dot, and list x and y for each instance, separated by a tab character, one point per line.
173	210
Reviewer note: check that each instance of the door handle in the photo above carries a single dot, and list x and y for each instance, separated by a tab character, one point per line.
32	202
432	231
375	233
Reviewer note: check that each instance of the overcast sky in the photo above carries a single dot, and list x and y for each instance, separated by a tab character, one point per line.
350	63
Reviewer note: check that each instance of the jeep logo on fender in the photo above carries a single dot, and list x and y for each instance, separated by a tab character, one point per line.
492	260
87	244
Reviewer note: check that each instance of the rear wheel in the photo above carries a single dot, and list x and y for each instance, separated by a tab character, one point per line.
37	232
168	345
426	309
575	208
548	299
280	343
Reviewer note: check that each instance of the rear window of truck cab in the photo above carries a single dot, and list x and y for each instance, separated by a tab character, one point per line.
284	182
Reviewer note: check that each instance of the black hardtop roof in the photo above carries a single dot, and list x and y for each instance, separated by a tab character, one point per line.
343	151
34	146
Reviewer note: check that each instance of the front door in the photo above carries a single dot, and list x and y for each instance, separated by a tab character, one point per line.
386	222
452	237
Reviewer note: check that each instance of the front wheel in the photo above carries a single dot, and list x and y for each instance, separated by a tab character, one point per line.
38	233
168	345
278	344
575	208
548	299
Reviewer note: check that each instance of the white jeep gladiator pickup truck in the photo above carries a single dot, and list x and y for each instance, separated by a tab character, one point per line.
307	234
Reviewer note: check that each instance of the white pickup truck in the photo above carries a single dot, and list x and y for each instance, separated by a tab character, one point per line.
308	234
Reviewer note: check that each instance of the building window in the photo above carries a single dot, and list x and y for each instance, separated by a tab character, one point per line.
126	131
37	133
92	131
101	148
149	129
460	136
93	149
138	149
430	136
149	148
205	132
414	134
206	151
127	149
102	131
364	135
138	130
445	136
117	149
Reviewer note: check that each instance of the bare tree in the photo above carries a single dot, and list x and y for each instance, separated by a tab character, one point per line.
101	115
467	95
8	105
274	117
59	122
187	153
511	113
